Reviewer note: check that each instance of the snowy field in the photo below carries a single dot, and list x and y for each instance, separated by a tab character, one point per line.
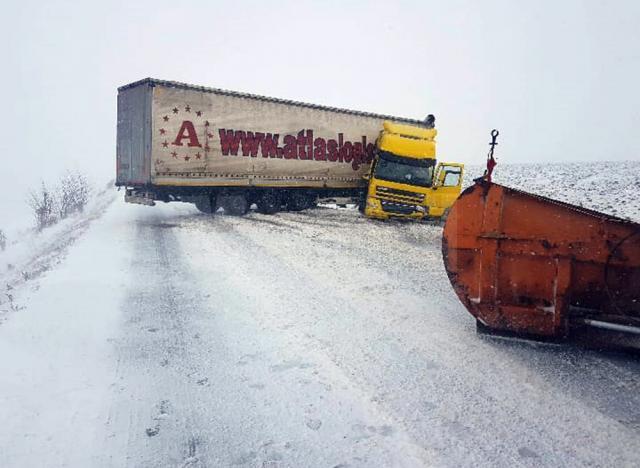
153	337
608	187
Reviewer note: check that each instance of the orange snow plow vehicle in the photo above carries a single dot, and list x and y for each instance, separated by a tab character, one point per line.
529	265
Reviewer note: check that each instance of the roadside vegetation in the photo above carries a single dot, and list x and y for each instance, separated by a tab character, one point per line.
50	205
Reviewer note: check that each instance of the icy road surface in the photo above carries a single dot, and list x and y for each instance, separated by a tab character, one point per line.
164	337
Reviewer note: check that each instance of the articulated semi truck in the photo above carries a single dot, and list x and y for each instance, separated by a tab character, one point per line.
223	149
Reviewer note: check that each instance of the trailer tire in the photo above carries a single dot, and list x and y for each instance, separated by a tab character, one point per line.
234	204
269	202
298	201
205	204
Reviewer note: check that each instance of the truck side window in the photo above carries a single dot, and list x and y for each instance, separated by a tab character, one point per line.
451	179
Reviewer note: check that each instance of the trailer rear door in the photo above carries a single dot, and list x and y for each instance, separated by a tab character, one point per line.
133	160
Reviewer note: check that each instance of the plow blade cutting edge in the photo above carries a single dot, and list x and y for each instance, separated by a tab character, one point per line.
530	265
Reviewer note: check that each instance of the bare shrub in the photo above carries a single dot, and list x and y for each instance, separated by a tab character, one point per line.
43	205
72	194
3	240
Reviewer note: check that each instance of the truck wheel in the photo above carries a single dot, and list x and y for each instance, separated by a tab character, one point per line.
362	202
234	205
297	201
205	204
269	202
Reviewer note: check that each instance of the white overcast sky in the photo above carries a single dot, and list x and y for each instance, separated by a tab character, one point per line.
558	78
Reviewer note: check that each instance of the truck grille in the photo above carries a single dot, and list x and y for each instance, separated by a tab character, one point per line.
397	208
399	195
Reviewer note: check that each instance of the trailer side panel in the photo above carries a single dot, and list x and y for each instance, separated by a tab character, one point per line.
204	138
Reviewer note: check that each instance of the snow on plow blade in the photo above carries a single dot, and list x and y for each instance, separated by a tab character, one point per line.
530	265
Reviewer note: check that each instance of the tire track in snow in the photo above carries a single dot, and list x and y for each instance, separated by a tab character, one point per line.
539	421
153	417
224	389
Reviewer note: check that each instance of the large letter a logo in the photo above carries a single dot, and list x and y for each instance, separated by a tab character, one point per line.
187	131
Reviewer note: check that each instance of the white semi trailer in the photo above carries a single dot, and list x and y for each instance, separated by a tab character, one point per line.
178	142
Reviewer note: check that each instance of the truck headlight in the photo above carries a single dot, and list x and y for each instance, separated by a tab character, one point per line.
421	209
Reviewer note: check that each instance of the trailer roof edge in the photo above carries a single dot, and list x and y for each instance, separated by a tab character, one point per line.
224	92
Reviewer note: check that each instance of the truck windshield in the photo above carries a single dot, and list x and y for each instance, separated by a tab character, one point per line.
404	170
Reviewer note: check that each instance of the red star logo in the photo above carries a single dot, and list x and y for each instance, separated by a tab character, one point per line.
186	158
206	123
187	109
206	148
162	131
175	110
165	144
199	113
165	118
174	154
198	156
210	135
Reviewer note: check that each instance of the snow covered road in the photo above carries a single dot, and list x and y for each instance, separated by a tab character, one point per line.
170	338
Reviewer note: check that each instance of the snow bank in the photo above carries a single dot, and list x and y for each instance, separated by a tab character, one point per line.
30	253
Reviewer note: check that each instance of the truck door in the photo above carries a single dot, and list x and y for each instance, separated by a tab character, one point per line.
446	187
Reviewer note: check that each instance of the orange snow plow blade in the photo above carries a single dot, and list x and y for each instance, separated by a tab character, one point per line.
530	265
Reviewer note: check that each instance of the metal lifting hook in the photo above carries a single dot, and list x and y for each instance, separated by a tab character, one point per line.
491	162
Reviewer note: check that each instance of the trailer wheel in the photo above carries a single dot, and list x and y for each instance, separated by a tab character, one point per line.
269	202
234	204
298	201
205	204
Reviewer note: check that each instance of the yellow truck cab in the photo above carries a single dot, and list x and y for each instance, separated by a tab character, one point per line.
404	180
